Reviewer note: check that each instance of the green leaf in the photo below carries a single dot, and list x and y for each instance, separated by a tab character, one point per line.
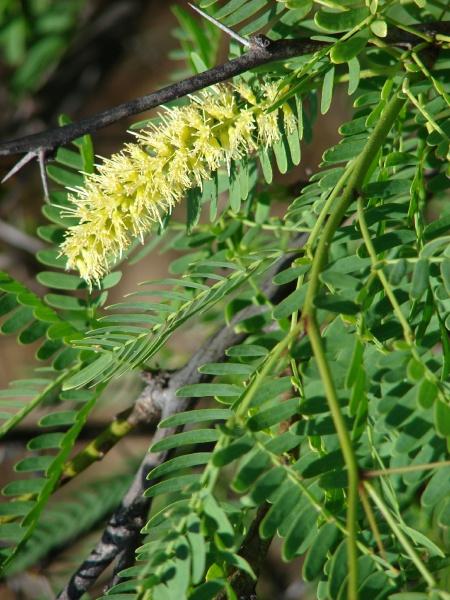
46	441
226	368
217	514
196	416
294	146
281	508
24	486
208	590
379	28
426	393
33	332
301	533
169	486
437	489
419	283
195	436
197	545
34	463
273	415
317	555
445	273
60	281
250	468
353	76
442	418
246	351
266	165
89	373
58	419
202	390
281	156
431	248
437	228
337	303
337	570
336	22
290	304
327	91
268	484
179	463
232	451
345	51
345	150
64	177
65	302
21	317
194	207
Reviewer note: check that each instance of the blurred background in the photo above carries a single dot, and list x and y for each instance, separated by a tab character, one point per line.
78	57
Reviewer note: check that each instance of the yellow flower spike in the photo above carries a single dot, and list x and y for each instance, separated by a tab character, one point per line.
135	187
290	122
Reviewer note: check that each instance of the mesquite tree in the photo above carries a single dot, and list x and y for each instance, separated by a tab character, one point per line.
318	413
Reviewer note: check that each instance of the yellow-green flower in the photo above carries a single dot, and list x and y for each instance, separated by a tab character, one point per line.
136	187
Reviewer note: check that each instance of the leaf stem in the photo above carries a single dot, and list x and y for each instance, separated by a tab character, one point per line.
354	182
407	332
407	469
400	535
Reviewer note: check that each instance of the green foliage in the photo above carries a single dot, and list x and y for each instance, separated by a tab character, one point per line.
268	434
33	37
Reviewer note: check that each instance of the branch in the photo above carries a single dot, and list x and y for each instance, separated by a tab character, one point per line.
143	412
257	55
19	239
122	530
262	52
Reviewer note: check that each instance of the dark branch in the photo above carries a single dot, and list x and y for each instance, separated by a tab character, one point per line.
259	54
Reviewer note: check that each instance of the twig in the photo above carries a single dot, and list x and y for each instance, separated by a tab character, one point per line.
143	412
401	537
227	30
52	139
18	239
372	474
257	55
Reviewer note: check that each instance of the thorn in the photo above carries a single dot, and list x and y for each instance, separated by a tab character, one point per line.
220	25
41	160
19	164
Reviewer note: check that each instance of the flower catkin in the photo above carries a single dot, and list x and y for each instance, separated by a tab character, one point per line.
134	188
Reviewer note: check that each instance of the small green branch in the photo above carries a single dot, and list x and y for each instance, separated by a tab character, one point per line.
318	225
353	184
407	332
372	474
372	521
96	450
400	535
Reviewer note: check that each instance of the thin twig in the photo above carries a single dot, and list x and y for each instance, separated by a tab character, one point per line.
18	239
52	139
258	54
372	474
221	26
